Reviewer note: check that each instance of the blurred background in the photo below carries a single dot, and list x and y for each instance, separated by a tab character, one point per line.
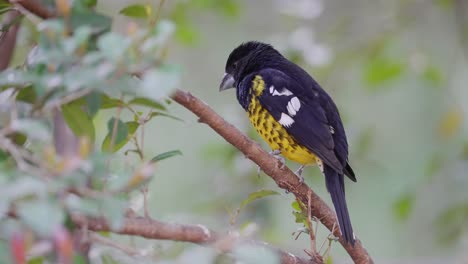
397	71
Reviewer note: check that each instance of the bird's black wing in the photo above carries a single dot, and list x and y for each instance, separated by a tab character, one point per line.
300	111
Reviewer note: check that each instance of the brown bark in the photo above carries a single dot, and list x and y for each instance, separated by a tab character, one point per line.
35	8
153	229
8	39
283	177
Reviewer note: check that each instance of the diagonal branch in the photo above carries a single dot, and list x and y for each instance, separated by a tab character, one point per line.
283	177
8	38
198	234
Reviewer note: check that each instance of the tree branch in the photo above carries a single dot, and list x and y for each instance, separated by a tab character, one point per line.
283	177
35	8
198	234
8	38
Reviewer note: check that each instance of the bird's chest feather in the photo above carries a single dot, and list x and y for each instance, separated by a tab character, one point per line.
272	131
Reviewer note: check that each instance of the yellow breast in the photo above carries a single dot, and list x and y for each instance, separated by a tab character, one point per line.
273	132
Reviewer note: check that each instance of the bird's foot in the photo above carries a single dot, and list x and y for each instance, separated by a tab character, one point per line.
277	155
299	172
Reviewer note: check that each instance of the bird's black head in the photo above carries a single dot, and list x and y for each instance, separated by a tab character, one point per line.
247	58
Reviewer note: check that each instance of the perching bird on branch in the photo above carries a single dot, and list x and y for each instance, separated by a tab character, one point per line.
294	115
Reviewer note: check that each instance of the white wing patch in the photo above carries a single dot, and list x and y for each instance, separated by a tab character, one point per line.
286	120
293	106
284	91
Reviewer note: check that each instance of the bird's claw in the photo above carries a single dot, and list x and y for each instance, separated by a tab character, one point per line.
277	155
299	172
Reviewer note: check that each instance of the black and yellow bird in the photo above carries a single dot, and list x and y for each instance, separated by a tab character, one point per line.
294	115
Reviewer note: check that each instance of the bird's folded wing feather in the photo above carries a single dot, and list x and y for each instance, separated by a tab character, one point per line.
300	114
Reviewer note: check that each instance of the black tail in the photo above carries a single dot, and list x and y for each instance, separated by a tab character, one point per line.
335	186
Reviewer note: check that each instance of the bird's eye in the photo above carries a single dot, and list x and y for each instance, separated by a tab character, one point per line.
234	66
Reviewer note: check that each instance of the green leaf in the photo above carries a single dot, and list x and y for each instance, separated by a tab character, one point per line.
130	127
255	196
137	11
295	205
41	215
93	101
27	94
299	215
166	155
147	102
159	83
108	102
403	206
121	130
381	70
98	22
154	114
78	120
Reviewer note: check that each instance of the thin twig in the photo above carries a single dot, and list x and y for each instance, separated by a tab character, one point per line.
313	246
158	12
23	159
144	190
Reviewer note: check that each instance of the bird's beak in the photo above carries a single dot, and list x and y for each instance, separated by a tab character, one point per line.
227	82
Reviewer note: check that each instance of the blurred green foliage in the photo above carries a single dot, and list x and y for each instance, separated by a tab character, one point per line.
408	141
